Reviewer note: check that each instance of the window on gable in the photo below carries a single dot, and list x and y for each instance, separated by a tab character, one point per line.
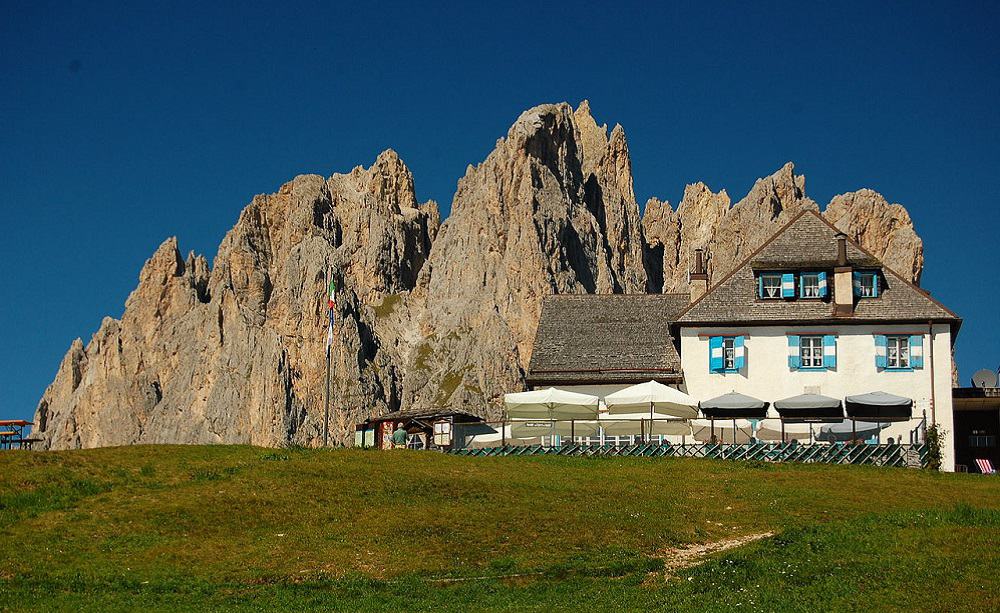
729	353
770	285
897	351
868	287
809	285
811	351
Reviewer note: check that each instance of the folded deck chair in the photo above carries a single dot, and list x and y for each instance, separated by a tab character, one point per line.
986	467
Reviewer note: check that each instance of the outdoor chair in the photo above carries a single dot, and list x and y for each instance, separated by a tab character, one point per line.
985	466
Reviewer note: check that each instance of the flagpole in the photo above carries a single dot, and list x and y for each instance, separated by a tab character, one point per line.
326	409
331	288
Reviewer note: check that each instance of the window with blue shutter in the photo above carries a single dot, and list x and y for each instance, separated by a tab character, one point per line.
917	351
794	358
788	285
829	351
726	353
866	283
880	351
715	363
809	285
739	353
769	285
822	285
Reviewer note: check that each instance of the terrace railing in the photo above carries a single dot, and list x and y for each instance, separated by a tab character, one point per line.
913	456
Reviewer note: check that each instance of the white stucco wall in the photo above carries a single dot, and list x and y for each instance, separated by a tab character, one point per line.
768	377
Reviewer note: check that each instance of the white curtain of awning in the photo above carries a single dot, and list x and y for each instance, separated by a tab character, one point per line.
724	431
772	431
622	427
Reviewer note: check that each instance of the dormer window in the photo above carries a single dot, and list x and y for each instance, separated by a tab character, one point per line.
809	285
866	284
769	285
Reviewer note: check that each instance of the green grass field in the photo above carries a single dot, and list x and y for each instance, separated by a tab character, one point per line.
241	528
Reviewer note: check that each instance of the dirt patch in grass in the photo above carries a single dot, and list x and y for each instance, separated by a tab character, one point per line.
689	556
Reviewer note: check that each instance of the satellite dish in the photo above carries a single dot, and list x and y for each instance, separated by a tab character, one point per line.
984	378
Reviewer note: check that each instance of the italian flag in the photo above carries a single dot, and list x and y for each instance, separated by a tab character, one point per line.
330	294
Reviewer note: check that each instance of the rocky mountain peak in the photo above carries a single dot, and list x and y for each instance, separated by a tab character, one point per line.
429	314
884	229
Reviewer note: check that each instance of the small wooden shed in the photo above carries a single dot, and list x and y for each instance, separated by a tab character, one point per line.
425	428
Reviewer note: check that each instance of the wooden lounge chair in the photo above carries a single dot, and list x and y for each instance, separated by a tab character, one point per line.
985	466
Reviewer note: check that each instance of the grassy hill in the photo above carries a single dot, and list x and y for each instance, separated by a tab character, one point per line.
193	528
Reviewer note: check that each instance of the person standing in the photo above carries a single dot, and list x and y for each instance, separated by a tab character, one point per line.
399	437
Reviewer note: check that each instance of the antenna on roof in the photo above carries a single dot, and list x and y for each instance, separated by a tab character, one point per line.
984	378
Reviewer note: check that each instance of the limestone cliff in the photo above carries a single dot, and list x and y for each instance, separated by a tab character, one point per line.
551	210
428	313
705	220
236	354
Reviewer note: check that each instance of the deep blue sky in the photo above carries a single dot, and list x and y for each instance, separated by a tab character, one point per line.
122	126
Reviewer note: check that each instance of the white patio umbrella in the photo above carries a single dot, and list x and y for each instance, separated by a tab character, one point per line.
551	403
656	397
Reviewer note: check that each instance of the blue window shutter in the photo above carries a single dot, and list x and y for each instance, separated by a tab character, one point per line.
788	285
715	360
881	361
822	285
760	286
739	353
794	357
875	284
917	351
856	279
829	351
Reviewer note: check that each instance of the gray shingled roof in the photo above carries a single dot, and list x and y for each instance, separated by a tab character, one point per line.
809	242
616	338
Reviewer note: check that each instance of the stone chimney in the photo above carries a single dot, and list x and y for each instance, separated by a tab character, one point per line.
698	278
843	281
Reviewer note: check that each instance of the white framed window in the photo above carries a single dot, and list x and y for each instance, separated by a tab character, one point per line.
770	285
869	285
415	441
729	353
811	351
897	351
809	285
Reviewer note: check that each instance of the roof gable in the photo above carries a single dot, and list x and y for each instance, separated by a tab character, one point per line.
809	242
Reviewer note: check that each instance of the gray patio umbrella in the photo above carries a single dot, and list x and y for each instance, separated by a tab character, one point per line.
879	406
734	406
806	408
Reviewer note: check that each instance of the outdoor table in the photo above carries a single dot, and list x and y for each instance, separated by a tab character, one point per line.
13	433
